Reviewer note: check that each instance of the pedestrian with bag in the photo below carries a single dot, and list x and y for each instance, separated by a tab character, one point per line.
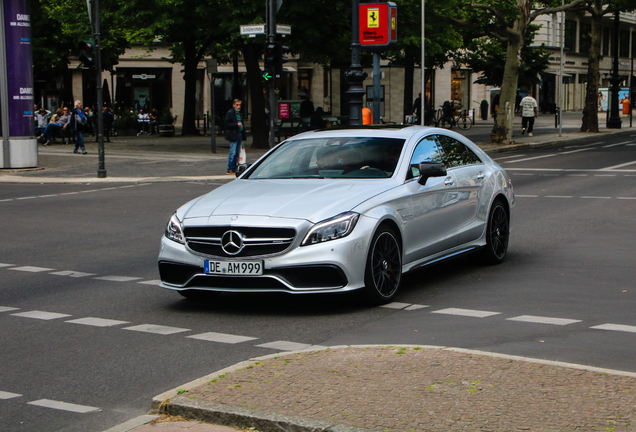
528	113
78	123
235	134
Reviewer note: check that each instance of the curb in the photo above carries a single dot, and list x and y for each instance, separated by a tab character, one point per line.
133	424
171	402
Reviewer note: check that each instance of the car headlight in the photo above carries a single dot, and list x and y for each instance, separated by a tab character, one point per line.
174	231
331	229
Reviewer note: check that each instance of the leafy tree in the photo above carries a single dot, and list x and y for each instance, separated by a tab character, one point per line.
507	21
597	9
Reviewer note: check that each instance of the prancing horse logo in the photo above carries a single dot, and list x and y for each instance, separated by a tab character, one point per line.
232	242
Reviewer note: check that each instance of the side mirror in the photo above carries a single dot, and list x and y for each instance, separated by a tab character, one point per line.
241	169
430	169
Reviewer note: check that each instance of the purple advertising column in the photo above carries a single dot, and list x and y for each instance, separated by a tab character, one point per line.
22	146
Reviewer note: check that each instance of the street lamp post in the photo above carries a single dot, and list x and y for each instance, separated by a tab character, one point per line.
355	75
614	121
211	68
101	170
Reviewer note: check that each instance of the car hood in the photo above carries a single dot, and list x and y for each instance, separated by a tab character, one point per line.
312	200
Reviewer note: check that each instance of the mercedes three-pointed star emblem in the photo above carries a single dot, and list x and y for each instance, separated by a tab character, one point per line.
232	242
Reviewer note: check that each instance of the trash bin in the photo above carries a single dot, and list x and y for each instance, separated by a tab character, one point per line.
626	106
484	109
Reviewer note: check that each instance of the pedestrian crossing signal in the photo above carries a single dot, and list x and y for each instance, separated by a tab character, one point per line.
87	53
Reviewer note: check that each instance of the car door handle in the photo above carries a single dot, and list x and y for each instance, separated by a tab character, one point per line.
449	181
481	176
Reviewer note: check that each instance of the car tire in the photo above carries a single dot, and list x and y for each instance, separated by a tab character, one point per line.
383	271
497	235
199	295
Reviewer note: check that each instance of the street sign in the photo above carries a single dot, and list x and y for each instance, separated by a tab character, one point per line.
259	29
378	25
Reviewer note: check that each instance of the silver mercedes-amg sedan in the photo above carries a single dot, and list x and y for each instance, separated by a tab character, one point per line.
339	210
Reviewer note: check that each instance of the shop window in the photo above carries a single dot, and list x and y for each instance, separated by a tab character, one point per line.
460	89
585	38
569	40
623	43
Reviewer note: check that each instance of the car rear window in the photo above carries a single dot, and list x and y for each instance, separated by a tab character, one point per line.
351	157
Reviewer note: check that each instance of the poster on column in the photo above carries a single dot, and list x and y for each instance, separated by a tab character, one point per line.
17	27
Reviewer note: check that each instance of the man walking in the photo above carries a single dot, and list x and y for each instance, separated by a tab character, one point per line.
235	134
528	113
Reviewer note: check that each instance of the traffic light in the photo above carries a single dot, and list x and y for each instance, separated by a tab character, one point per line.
87	53
270	55
280	58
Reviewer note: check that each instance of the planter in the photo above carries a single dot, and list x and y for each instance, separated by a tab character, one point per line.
166	130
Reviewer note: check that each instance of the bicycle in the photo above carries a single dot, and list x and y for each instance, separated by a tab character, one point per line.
448	120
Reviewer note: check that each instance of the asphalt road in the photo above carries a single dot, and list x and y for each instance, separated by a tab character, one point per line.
92	338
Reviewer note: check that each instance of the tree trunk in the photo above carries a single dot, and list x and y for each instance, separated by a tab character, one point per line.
409	66
190	76
260	129
590	112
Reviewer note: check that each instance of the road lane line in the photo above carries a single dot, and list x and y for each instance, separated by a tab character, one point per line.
586	145
40	315
531	158
31	269
8	395
64	406
466	312
415	307
618	166
289	346
156	282
576	151
596	197
117	278
509	157
221	338
97	322
616	327
72	273
156	329
617	144
7	308
543	320
26	198
626	198
6	265
526	196
559	196
396	305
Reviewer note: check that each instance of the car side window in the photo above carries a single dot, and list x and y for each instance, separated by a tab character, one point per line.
426	150
456	153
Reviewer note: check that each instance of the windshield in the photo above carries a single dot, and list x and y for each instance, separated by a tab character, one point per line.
351	157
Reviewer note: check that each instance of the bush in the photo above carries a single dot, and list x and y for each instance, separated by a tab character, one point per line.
126	120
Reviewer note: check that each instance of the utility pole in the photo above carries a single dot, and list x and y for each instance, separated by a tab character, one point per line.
271	38
101	171
614	121
355	74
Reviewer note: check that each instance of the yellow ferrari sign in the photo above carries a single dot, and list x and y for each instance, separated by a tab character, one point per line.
373	18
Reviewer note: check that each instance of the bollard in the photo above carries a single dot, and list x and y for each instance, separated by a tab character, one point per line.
557	115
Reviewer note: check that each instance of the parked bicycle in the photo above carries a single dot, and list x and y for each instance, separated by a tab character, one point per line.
446	118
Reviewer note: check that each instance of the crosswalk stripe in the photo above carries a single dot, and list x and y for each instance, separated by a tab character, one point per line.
543	320
40	315
150	282
31	269
616	327
466	312
157	329
7	309
64	406
117	278
8	395
6	265
97	322
222	338
73	274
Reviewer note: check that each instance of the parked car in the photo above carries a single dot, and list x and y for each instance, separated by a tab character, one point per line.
341	209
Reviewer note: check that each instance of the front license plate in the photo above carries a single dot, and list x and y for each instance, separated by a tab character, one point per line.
249	268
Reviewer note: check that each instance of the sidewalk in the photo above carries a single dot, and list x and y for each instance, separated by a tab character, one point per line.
400	388
160	159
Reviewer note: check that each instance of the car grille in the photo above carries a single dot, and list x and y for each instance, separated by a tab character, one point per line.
254	241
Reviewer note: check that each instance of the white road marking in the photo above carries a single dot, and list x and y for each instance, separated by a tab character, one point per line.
117	278
5	200
72	274
416	307
48	196
7	309
285	346
559	196
221	337
150	282
466	312
586	145
526	196
64	406
6	265
97	322
595	197
26	198
616	327
523	174
41	315
396	305
613	167
31	269
531	158
157	329
604	175
617	144
576	151
8	395
69	193
509	157
544	320
577	175
626	198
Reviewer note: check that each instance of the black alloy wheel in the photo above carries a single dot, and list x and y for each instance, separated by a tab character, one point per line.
497	235
384	267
